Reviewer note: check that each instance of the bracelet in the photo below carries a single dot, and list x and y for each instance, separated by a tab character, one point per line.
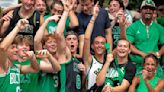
91	21
158	55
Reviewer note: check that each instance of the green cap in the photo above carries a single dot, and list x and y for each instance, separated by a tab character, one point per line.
148	3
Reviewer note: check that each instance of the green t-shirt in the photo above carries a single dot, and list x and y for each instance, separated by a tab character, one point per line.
10	82
28	82
51	27
48	82
142	86
144	38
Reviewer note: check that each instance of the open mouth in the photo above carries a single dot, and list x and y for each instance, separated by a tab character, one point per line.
72	46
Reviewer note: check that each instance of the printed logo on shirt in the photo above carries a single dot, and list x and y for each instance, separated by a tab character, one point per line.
78	81
97	71
14	78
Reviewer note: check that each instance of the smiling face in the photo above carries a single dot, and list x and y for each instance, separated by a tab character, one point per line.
150	64
114	6
50	45
28	4
99	45
72	43
123	48
12	52
147	13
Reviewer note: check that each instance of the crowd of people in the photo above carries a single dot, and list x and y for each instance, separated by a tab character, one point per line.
78	46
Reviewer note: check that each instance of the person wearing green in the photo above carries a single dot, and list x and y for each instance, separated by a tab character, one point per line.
118	71
10	72
57	8
145	35
146	81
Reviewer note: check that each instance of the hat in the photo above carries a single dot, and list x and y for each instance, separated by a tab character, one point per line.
148	3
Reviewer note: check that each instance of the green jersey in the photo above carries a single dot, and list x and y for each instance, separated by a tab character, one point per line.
144	38
10	82
51	27
48	82
29	81
142	86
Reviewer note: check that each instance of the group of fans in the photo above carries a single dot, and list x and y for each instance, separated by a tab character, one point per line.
77	46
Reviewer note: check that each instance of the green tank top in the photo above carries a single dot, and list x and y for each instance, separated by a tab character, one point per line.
10	82
28	82
48	82
142	87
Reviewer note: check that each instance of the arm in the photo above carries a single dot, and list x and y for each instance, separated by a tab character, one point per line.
102	74
136	51
135	82
50	64
6	10
87	37
33	67
73	17
159	86
6	22
124	85
22	23
41	31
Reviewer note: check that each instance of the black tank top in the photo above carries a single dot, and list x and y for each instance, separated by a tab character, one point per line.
34	22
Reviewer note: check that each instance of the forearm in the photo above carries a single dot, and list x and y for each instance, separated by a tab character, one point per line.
161	51
136	51
40	33
34	64
90	28
149	87
102	74
61	25
122	31
73	19
9	38
55	65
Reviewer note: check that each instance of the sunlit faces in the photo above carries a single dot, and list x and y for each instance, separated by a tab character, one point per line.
150	65
50	45
57	9
147	12
12	52
86	6
114	6
28	4
40	6
123	48
72	43
98	45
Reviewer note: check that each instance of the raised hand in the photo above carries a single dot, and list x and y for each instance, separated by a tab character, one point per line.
96	9
30	54
110	58
81	67
54	18
42	54
22	24
145	74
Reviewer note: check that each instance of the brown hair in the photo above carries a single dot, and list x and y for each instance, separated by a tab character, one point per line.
47	37
28	39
